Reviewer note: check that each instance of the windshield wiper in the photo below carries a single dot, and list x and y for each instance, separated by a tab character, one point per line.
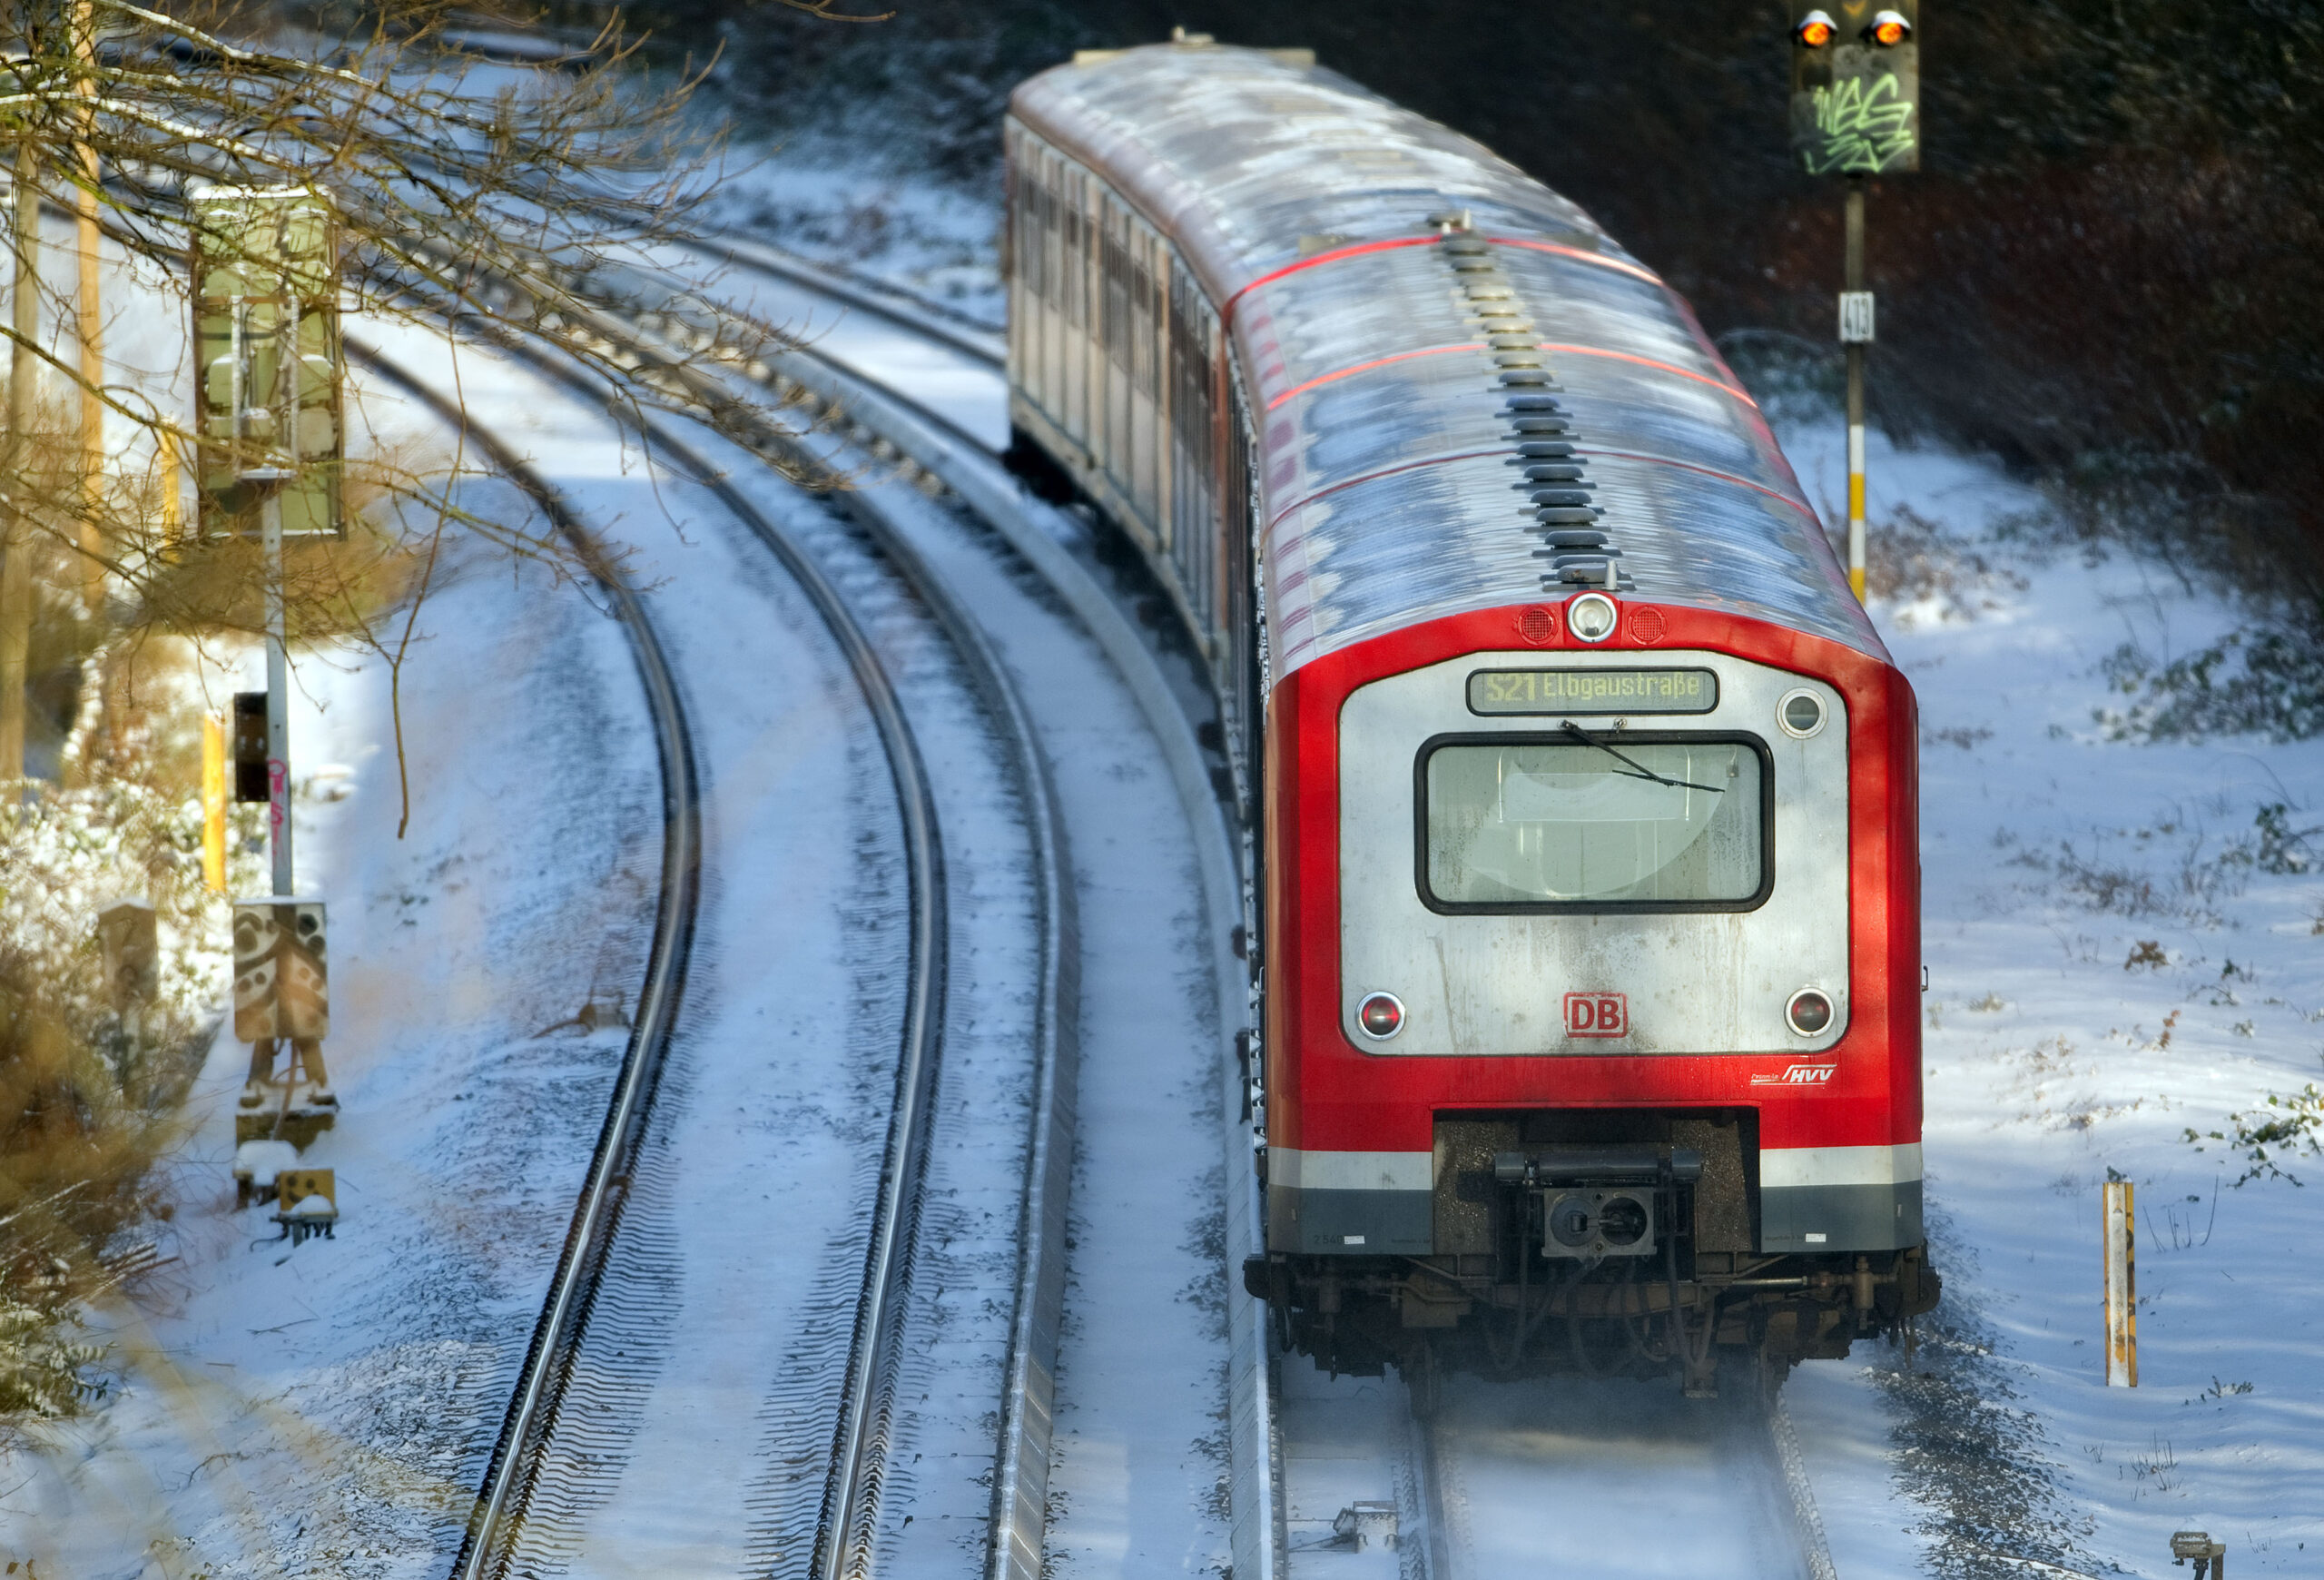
1641	770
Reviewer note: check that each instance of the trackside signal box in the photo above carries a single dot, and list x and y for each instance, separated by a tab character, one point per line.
1855	87
268	358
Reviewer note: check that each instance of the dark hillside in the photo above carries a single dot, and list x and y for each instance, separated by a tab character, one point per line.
2110	270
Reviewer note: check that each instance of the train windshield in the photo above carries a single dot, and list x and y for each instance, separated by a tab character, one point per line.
1659	823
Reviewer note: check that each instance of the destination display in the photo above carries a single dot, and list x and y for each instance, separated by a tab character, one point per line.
1571	691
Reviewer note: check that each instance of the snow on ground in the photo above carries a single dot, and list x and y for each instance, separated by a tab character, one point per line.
1135	1486
280	1410
2051	854
2109	965
938	241
2112	964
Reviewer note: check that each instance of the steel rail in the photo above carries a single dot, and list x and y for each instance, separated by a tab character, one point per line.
848	1528
852	1500
963	334
1772	1446
1021	1478
1038	532
597	1213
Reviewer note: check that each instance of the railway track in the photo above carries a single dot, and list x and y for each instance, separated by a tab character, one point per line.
546	1366
1437	1474
861	1436
1456	1489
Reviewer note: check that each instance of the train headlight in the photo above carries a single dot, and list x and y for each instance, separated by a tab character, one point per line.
1801	714
1382	1015
1816	29
1887	29
1809	1012
1591	617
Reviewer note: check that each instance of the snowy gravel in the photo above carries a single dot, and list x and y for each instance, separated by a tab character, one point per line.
266	1420
2056	1052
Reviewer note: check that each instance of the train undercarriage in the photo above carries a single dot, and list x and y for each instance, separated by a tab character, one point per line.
1597	1245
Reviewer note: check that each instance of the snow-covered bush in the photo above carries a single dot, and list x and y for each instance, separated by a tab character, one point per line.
2268	682
2288	1128
41	1373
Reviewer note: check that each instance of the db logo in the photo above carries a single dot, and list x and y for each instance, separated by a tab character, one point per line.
1597	1015
1798	1075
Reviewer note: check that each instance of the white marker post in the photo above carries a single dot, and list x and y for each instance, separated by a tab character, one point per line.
1856	335
2122	1288
278	679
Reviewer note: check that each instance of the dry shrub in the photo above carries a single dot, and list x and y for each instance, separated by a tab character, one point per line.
1931	574
88	1094
76	1148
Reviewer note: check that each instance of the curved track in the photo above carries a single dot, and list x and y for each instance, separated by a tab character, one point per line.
1450	1476
859	1436
597	1214
844	1547
849	1526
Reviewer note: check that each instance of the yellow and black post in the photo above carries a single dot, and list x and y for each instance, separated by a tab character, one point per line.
1855	89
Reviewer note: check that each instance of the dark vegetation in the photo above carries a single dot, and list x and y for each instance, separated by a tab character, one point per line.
2109	273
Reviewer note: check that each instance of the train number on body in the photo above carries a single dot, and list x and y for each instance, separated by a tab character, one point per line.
1597	1015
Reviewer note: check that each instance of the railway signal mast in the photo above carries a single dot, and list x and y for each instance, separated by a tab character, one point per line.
266	396
1856	90
269	371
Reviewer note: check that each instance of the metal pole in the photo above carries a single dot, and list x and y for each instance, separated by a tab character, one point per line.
278	693
1855	282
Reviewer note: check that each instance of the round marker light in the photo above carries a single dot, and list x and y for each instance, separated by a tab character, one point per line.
1592	617
1887	29
1816	29
1801	714
1382	1015
1809	1012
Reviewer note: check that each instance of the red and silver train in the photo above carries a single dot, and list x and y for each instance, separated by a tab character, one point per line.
1584	792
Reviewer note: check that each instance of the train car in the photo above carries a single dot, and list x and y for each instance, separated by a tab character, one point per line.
1583	790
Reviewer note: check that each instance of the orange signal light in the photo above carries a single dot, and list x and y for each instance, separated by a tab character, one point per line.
1816	29
1888	30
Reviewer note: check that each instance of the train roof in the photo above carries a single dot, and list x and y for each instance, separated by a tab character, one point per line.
1301	203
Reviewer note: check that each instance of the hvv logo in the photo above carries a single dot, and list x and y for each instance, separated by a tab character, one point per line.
1798	1075
1597	1015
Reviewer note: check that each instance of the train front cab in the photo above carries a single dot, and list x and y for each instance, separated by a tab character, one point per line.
1530	1089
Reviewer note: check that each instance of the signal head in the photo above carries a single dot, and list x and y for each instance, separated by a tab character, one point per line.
1816	30
1887	29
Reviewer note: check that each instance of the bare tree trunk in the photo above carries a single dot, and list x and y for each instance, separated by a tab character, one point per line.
92	322
16	551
